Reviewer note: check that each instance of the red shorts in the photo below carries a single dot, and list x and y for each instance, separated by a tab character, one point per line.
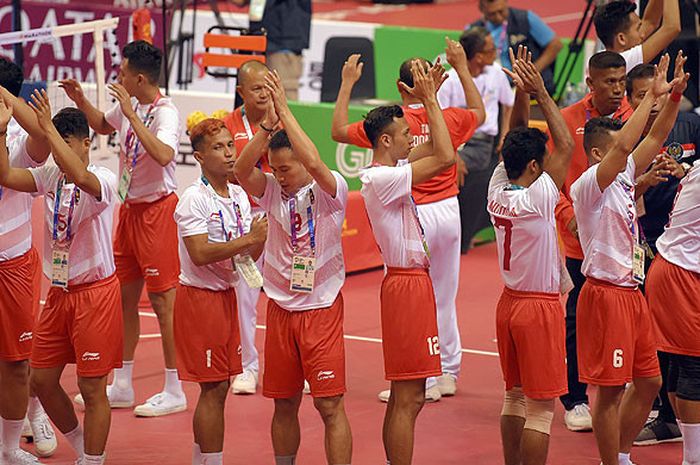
409	325
81	326
615	341
532	343
304	345
673	294
19	300
207	338
145	244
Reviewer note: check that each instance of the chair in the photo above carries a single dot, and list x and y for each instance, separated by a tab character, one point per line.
242	47
338	49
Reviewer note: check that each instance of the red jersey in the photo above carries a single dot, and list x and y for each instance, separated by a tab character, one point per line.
461	124
576	116
242	132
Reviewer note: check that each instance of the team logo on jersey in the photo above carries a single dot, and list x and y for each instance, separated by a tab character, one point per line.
25	336
324	375
240	136
90	356
350	159
675	150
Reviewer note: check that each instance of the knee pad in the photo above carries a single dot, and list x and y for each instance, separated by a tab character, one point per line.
514	403
688	387
539	415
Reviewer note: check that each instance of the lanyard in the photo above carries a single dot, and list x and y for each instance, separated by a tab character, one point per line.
57	206
246	125
502	43
237	209
309	219
132	142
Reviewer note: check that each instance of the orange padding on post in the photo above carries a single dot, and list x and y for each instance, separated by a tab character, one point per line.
248	43
219	60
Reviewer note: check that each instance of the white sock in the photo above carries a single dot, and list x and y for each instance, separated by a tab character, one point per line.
285	459
11	433
624	458
34	409
691	443
196	454
77	440
212	458
172	383
123	376
94	459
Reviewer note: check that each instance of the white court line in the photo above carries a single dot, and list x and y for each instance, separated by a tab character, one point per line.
347	336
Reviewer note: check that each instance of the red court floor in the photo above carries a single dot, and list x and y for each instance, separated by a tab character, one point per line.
455	431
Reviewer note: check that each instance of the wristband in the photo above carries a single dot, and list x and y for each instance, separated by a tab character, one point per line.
266	129
676	97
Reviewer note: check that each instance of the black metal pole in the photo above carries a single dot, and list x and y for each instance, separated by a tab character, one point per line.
165	48
17	26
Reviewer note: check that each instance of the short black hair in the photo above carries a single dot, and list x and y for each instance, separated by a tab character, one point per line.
11	76
71	122
611	19
405	74
144	58
606	60
377	120
641	71
520	146
280	140
473	40
596	129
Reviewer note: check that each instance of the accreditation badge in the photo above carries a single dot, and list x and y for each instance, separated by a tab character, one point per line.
303	272
124	183
638	256
59	268
245	266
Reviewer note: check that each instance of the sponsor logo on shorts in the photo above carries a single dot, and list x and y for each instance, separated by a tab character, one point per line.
239	351
90	356
151	272
324	375
25	336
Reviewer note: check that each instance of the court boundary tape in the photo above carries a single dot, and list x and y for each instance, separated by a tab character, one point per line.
349	337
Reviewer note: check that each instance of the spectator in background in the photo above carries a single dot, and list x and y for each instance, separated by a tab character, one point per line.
479	152
288	24
638	40
511	27
658	187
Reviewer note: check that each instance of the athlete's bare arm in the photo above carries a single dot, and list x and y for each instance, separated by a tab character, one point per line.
18	179
202	252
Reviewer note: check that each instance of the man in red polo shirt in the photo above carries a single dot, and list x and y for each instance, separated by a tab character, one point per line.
436	198
607	98
244	123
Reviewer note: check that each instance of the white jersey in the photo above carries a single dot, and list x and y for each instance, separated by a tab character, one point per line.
526	232
633	56
91	257
328	213
16	207
680	242
607	225
393	215
201	210
149	180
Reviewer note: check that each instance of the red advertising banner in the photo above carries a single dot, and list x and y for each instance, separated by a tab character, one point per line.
73	56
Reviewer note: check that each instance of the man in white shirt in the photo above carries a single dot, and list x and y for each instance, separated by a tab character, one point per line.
615	343
20	278
478	152
409	322
673	293
81	322
638	40
217	238
522	196
145	243
303	274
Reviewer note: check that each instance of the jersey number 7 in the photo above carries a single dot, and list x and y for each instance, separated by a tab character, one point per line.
507	226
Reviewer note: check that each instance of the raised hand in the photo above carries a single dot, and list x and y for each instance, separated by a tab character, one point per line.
423	85
660	86
679	74
271	119
352	69
5	113
119	92
438	74
455	53
273	84
42	108
72	89
525	75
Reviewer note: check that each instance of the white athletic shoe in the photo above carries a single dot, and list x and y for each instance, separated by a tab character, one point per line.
245	383
19	457
27	431
45	442
432	394
447	385
307	387
161	404
118	398
579	418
